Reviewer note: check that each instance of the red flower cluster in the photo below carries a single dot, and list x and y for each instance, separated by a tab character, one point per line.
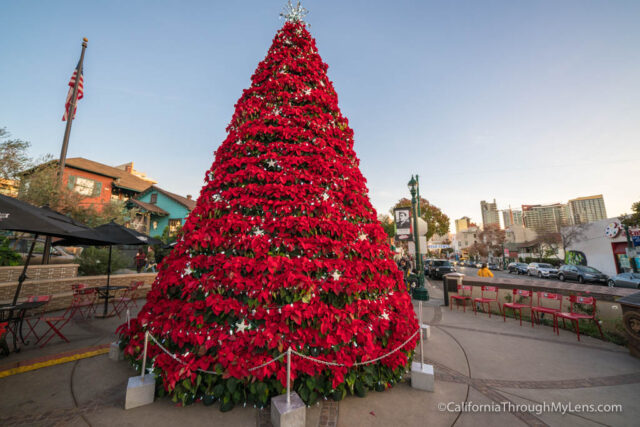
284	248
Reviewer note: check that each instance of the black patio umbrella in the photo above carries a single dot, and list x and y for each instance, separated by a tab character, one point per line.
113	234
16	215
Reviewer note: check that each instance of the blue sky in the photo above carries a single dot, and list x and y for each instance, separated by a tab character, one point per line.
522	101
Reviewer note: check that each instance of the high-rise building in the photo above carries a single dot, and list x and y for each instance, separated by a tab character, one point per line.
546	218
463	224
587	209
511	217
489	213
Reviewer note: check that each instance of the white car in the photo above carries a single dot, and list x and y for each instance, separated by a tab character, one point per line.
541	269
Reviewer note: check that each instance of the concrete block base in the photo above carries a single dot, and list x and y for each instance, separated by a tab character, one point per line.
422	378
115	353
140	391
426	331
288	415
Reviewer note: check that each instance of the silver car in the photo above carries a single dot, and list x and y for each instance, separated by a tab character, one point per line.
625	280
541	269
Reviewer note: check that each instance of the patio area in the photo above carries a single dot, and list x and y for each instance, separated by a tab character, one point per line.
478	361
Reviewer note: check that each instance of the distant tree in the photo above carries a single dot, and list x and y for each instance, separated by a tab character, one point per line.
13	155
437	221
387	224
549	244
633	219
491	239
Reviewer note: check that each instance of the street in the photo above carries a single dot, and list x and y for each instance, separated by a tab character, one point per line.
470	271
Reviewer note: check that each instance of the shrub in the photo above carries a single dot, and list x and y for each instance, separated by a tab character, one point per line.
7	255
94	261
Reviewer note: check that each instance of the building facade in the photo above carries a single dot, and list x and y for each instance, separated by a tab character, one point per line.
159	209
601	245
587	209
546	218
511	217
489	213
98	183
462	224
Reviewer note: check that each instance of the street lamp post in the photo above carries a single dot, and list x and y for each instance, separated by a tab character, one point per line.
420	292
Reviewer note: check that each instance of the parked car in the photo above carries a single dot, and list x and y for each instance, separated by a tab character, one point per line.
582	274
517	267
493	266
541	269
625	280
478	265
440	267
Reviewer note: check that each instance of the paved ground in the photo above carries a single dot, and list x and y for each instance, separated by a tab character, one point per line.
478	360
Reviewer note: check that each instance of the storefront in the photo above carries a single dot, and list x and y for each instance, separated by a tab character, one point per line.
601	244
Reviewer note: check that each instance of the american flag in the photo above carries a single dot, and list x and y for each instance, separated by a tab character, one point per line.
72	82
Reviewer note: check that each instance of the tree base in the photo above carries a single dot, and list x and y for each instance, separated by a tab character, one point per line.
421	294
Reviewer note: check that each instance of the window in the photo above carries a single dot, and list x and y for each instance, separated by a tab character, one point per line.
174	224
154	198
85	186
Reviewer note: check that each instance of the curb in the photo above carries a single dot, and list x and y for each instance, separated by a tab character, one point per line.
54	359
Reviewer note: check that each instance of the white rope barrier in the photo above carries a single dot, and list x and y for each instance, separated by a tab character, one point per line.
325	362
288	353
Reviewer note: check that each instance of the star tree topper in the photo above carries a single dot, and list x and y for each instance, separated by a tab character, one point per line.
294	13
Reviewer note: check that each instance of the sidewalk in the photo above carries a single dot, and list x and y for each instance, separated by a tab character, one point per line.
476	359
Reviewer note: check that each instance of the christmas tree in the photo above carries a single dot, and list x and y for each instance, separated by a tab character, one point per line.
282	250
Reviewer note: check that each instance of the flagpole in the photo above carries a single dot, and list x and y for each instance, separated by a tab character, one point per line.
65	141
72	109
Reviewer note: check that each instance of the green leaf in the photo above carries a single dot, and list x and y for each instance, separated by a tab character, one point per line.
218	390
232	383
311	383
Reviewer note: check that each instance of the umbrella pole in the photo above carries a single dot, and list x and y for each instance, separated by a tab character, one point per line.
23	275
106	300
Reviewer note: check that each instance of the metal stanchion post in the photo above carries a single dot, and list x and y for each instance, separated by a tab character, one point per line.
421	340
289	376
144	354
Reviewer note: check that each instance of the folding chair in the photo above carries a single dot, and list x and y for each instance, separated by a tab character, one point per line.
537	309
127	299
485	300
84	299
513	305
34	318
461	297
576	317
56	323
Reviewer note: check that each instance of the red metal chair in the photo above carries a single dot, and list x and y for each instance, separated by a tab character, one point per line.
461	297
537	309
33	319
56	323
513	305
575	317
127	299
484	300
84	299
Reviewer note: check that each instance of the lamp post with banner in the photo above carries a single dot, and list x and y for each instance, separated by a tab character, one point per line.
420	292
